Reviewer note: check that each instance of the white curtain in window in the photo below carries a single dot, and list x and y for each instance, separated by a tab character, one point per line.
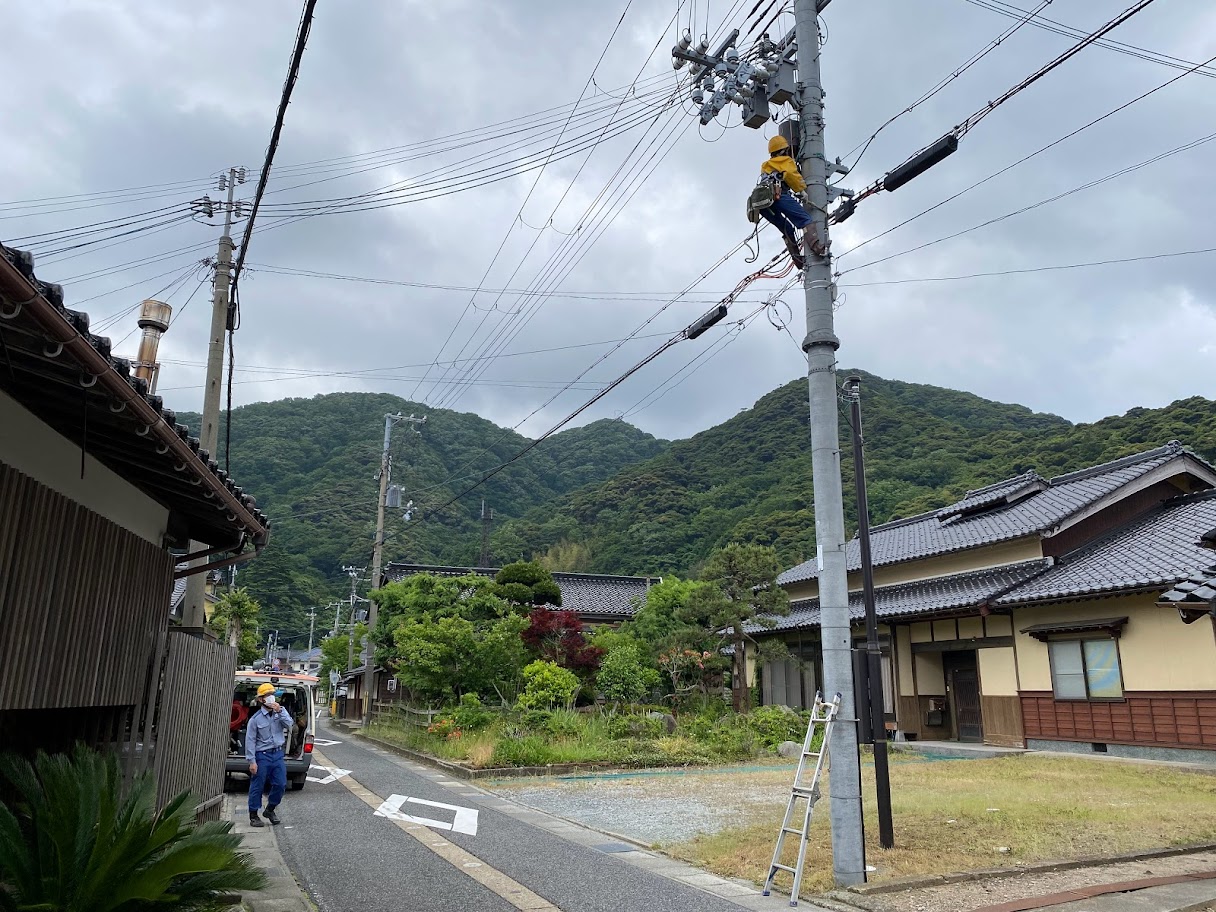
1067	670
1102	669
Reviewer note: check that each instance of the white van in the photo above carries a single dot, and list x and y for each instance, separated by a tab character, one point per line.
297	694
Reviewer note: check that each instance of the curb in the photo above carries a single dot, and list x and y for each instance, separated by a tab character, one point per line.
1046	867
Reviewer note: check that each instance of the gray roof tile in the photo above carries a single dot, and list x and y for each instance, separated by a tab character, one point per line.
1154	551
1197	589
903	600
586	593
931	534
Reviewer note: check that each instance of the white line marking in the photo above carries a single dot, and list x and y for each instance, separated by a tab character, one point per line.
324	742
332	773
465	820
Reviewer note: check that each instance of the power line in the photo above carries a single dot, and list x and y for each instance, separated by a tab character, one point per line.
1033	269
1043	202
1024	159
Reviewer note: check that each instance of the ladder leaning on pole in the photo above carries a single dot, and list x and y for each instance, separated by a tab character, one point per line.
823	715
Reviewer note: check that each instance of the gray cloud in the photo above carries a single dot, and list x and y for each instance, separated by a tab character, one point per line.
120	94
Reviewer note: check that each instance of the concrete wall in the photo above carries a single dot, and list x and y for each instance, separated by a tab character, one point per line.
1157	652
34	449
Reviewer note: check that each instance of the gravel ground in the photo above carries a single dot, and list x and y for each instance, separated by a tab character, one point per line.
655	807
976	894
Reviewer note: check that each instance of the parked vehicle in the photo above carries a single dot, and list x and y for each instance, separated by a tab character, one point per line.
297	694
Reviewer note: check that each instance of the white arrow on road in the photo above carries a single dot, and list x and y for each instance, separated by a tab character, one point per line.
324	742
333	773
465	820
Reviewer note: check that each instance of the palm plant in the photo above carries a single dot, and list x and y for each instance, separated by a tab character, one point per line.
73	840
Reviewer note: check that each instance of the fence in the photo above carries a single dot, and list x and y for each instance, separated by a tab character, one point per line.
404	715
192	720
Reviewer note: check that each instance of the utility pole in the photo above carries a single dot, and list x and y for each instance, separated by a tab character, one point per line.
820	345
353	573
312	622
193	613
878	722
386	469
337	616
486	519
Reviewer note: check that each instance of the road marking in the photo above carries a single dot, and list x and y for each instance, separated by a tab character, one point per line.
489	877
332	773
464	822
324	742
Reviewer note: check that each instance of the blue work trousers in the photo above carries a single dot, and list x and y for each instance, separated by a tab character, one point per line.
272	768
787	214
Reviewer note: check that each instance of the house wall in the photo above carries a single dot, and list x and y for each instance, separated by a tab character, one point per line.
34	449
1169	680
1022	549
1117	514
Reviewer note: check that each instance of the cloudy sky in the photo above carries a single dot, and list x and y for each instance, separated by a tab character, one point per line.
411	156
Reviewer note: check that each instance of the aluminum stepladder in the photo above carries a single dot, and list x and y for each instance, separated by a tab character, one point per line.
823	714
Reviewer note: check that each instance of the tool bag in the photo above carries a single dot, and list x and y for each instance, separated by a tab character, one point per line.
763	195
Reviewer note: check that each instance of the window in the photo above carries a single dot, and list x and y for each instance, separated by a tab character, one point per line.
1085	670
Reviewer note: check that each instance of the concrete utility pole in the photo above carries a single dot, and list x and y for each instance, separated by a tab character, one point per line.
353	573
193	612
312	623
386	469
820	345
486	519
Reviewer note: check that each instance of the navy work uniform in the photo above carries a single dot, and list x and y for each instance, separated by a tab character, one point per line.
265	739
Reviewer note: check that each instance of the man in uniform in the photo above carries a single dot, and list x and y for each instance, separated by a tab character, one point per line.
265	739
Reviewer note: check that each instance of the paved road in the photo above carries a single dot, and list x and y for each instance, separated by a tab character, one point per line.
351	859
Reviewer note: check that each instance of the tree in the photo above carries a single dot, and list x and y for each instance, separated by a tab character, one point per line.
624	677
335	651
566	555
548	685
234	619
75	836
527	583
742	588
557	636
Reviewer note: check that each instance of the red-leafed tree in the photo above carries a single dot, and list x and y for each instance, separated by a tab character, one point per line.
557	636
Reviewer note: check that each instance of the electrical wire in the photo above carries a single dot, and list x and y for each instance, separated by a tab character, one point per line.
1043	202
1026	158
1051	25
942	83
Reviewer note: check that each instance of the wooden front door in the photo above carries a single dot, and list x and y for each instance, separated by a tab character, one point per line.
964	683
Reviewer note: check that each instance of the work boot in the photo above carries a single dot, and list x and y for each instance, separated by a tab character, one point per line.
271	816
812	240
255	820
791	244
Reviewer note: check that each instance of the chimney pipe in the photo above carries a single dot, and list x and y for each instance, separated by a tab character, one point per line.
153	320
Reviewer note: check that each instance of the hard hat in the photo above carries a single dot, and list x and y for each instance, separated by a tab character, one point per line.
265	689
777	144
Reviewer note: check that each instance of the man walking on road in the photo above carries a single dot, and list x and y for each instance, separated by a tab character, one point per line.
264	741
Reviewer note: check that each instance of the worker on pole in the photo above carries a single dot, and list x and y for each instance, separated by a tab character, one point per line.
787	212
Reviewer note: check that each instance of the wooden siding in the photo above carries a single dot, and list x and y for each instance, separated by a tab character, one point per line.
192	719
82	602
1002	721
1157	718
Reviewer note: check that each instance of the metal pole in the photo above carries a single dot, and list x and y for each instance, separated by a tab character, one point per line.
848	838
878	726
312	622
193	607
369	674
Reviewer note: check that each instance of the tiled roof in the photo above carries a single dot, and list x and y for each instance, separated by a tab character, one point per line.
1154	551
590	594
903	600
69	379
1198	589
930	534
1005	491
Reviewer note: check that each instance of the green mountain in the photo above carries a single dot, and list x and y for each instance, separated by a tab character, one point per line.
312	465
749	479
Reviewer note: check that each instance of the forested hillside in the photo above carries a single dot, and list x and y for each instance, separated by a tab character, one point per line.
312	465
610	498
749	479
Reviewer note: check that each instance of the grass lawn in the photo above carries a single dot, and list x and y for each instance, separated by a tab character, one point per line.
956	815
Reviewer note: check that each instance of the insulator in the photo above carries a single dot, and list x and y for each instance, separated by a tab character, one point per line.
698	96
685	41
731	56
703	45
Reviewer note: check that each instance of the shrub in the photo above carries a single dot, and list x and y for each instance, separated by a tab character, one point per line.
528	750
74	838
564	723
774	724
443	727
471	715
623	676
548	685
635	726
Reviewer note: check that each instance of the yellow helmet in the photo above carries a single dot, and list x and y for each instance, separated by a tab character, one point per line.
777	144
264	689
